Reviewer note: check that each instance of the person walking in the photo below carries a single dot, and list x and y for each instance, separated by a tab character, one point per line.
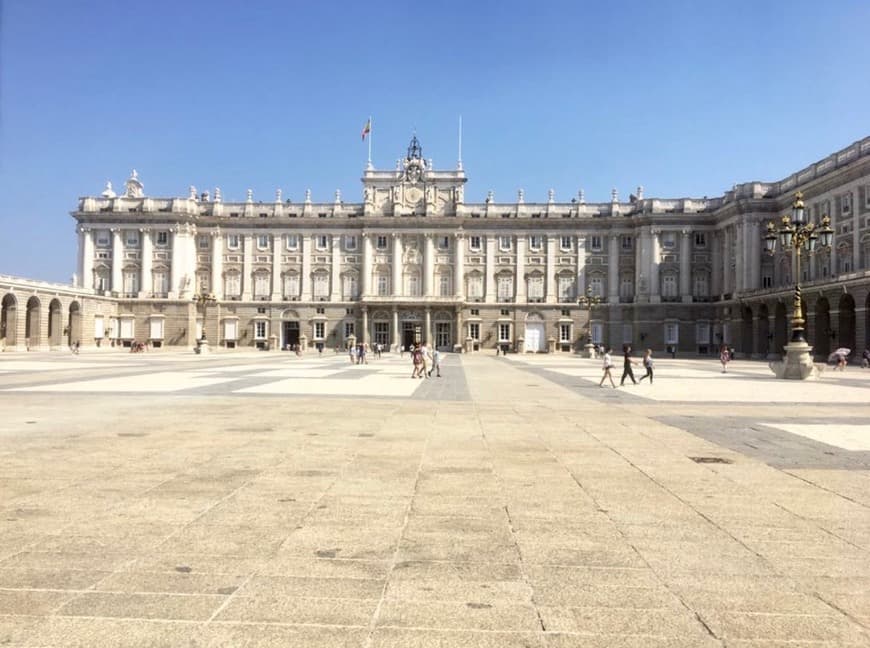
724	357
436	363
417	361
648	365
626	365
427	360
608	365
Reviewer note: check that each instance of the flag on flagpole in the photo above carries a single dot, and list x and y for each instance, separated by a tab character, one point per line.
367	129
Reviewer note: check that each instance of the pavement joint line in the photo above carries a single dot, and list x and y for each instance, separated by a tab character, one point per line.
395	557
816	525
825	488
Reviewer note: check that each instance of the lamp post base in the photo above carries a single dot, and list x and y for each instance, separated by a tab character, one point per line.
202	346
797	364
589	350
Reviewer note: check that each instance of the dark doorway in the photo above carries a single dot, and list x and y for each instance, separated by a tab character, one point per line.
822	343
846	336
291	333
764	335
780	329
410	334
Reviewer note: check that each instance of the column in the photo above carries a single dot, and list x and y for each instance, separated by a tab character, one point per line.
427	332
217	264
654	260
739	258
176	271
428	265
398	251
613	269
365	325
117	260
754	280
335	271
856	236
190	286
520	265
276	268
685	266
460	337
87	267
550	280
396	340
365	283
581	266
307	251
727	281
247	266
490	269
146	283
715	263
459	266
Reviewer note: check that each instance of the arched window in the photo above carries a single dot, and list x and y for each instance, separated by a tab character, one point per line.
566	288
350	287
535	287
505	287
669	286
261	284
321	284
160	282
475	286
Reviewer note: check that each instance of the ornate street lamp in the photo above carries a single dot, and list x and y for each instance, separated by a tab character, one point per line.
588	302
795	233
204	300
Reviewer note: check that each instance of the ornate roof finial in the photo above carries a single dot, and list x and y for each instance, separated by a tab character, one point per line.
133	188
551	195
521	196
415	151
581	196
308	196
337	196
614	195
277	195
108	192
640	192
191	193
217	194
490	196
250	197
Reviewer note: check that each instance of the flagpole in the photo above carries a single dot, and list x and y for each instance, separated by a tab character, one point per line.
459	163
369	162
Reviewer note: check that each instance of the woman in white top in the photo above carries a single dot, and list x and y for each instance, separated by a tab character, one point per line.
608	365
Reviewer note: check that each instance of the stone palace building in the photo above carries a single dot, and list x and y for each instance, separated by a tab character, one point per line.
414	261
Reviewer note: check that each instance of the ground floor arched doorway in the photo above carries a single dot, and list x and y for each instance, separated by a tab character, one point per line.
780	329
535	334
8	321
846	323
746	331
74	324
55	324
290	329
762	343
32	324
443	325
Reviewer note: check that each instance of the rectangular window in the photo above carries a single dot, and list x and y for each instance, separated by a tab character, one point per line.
626	242
156	326
474	331
260	329
131	283
505	288
383	286
381	242
261	285
348	329
233	241
627	333
504	332
132	238
127	328
597	286
99	327
474	244
669	240
595	243
597	329
534	242
231	328
319	330
161	283
702	332
162	238
504	243
350	287
475	312
103	239
700	240
350	243
320	310
291	286
566	288
232	285
505	312
475	287
672	333
444	285
564	333
536	287
566	243
322	242
202	241
669	286
443	242
321	285
846	203
263	242
292	242
566	312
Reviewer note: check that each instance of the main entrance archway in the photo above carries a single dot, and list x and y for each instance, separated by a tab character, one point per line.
55	324
74	325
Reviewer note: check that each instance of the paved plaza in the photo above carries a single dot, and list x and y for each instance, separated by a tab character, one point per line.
263	499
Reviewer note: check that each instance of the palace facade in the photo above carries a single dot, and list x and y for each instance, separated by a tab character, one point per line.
414	261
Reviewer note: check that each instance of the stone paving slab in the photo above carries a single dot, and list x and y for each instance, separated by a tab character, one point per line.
505	505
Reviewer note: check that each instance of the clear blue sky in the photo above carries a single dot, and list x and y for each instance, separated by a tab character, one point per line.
685	98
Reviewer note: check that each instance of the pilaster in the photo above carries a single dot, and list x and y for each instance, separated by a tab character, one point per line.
307	253
117	260
146	281
685	265
490	269
217	263
247	266
550	279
